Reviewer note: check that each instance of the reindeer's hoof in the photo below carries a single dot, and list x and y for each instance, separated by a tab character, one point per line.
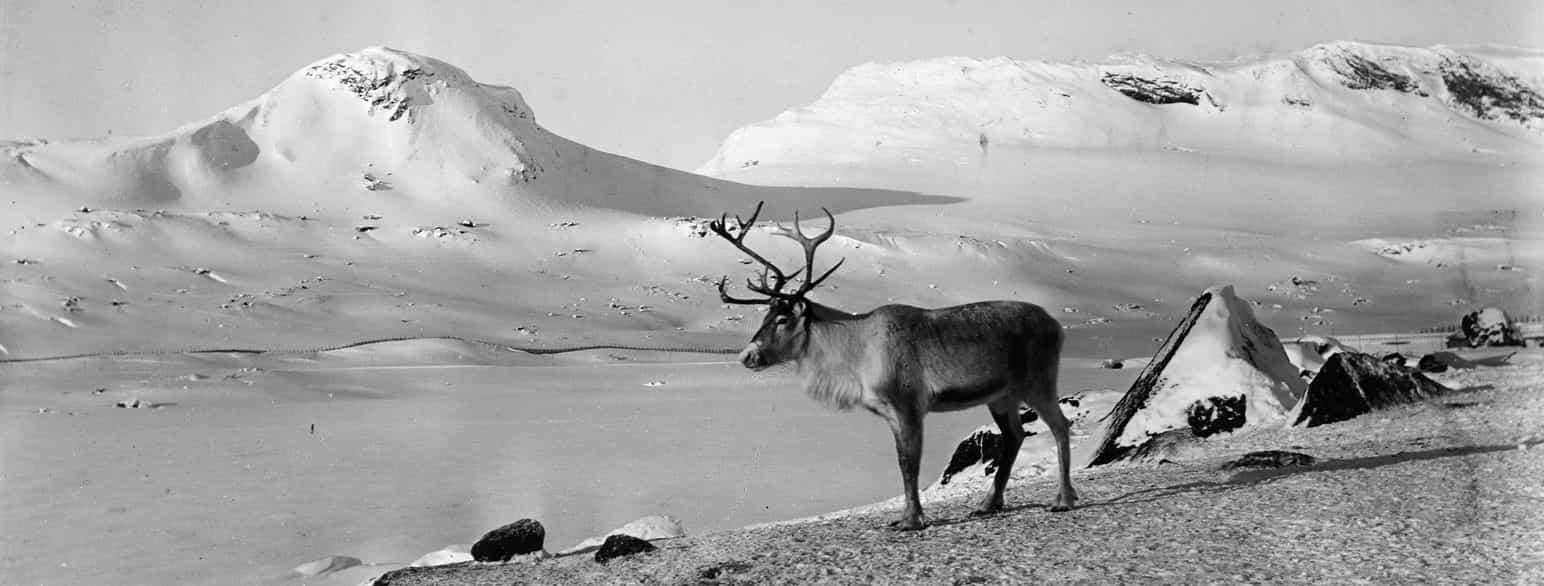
1061	507
908	525
987	510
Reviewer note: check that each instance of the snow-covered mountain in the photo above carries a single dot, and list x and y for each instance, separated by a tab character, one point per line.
1329	102
345	131
385	194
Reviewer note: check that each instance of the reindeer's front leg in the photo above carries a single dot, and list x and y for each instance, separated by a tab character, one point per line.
906	425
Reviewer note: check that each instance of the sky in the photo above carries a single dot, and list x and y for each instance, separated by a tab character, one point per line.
660	81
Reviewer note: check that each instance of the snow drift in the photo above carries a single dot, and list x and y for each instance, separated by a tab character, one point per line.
1219	370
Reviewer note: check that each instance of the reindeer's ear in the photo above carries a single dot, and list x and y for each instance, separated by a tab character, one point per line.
799	307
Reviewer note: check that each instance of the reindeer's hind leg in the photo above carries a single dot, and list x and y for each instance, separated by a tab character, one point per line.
1044	403
1006	413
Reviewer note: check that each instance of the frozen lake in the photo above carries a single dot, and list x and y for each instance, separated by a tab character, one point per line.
227	482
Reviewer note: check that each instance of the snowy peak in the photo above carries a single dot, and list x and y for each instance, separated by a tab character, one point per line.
392	81
1330	101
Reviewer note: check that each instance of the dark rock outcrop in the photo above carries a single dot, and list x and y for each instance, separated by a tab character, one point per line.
1353	383
1152	91
1360	73
1394	359
1270	459
1214	415
621	545
1488	327
499	545
1489	95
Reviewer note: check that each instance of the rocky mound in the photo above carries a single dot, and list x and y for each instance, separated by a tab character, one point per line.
1220	370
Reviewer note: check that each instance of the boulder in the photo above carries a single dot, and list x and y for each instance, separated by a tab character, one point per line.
1219	370
621	545
1486	328
1394	359
1353	383
522	537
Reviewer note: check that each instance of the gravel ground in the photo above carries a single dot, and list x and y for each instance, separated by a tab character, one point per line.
1449	491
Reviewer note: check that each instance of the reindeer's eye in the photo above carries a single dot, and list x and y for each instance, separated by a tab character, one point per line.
781	320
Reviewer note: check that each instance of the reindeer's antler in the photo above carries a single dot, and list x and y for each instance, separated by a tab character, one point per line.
779	279
810	244
774	289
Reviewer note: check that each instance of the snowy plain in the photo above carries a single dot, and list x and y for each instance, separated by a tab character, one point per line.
382	195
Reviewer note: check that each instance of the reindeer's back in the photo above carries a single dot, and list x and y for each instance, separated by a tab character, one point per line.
988	338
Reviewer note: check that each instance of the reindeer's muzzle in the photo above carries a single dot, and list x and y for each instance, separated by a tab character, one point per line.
752	357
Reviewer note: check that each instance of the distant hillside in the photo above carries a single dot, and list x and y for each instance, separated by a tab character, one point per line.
1327	103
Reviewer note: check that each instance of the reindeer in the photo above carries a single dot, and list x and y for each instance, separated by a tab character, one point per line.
902	362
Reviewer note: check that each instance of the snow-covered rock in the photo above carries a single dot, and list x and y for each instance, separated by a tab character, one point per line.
1220	370
1487	327
647	528
1308	353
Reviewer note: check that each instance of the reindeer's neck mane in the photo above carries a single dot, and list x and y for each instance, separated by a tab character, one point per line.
833	351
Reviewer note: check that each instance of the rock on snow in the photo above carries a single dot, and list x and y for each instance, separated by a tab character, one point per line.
1219	370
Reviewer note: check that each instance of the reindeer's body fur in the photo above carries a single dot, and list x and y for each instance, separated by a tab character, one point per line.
960	356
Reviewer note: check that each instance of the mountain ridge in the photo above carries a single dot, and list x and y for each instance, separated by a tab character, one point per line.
1326	102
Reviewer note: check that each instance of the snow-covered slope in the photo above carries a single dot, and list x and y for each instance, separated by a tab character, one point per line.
370	194
1326	103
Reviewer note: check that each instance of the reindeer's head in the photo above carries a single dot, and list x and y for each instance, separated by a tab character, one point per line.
785	331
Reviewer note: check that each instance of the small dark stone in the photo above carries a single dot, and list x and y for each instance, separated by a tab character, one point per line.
1271	459
1430	363
1112	363
521	537
1394	359
621	545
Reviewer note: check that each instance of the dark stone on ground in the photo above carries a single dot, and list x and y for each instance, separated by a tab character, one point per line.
499	545
1271	459
1430	363
983	446
1215	415
1112	363
1394	359
621	545
1352	383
